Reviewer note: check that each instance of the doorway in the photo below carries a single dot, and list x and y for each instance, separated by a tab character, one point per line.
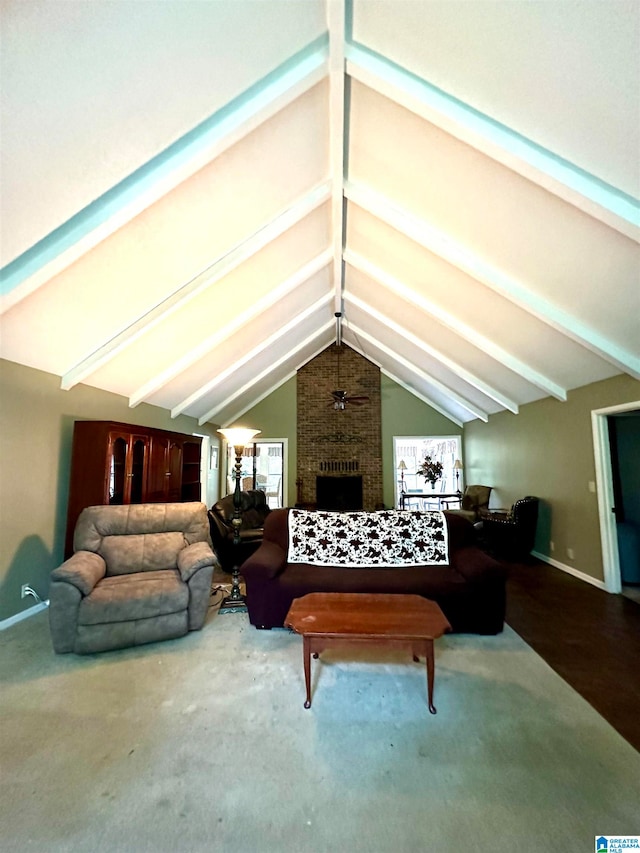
264	468
612	471
624	440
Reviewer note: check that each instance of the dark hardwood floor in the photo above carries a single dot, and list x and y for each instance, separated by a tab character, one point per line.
589	637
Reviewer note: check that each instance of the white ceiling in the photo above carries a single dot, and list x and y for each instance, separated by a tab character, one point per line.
190	190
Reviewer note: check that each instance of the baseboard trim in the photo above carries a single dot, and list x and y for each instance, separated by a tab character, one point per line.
24	614
570	570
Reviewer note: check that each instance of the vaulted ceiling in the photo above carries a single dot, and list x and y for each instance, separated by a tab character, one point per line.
191	190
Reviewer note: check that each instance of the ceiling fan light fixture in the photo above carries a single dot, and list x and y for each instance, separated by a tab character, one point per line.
341	396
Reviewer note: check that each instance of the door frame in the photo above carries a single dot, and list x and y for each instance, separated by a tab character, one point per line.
604	489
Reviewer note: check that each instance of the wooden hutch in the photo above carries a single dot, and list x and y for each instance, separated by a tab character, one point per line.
115	463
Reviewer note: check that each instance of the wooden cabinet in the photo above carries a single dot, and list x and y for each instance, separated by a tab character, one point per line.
115	463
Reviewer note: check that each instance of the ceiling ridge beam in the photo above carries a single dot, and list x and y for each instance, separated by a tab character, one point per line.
476	411
222	266
182	159
583	190
301	275
260	376
456	254
457	369
445	318
249	356
336	25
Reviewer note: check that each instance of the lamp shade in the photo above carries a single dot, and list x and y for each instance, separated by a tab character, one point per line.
239	436
458	466
402	466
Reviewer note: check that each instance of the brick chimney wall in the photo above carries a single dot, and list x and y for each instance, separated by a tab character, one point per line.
339	443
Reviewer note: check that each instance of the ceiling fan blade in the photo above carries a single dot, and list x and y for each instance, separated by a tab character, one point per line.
357	400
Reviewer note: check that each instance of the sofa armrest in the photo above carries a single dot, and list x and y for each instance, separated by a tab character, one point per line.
266	562
475	565
83	570
193	557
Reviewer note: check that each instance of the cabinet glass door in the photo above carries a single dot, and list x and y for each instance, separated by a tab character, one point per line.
138	461
174	478
117	471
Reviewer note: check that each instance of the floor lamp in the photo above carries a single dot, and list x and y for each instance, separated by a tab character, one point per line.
239	437
457	467
402	467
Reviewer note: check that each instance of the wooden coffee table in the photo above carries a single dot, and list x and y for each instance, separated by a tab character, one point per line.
328	618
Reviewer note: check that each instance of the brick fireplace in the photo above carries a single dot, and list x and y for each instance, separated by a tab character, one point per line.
339	444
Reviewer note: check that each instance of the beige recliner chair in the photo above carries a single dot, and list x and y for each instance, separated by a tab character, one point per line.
139	573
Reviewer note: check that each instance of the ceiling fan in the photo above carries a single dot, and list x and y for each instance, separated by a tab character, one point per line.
340	397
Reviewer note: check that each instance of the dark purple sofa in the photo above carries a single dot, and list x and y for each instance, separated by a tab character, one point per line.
470	589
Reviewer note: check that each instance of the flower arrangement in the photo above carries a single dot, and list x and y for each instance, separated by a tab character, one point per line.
430	469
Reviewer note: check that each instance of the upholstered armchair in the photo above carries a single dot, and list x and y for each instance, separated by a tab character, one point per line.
254	509
512	533
139	573
474	500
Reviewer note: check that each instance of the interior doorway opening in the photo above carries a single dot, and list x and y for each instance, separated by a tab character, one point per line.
606	490
264	468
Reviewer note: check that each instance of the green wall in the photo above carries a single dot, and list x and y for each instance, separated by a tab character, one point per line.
36	429
547	450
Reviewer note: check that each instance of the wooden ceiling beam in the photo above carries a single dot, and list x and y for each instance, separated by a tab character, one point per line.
460	328
566	180
423	377
218	269
271	369
455	368
414	391
336	26
456	254
164	173
251	355
242	320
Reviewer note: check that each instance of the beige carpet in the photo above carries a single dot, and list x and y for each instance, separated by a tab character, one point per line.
203	744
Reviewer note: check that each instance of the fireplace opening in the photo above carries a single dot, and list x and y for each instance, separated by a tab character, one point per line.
339	493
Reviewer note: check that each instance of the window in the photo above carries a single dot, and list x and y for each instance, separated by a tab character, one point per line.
411	450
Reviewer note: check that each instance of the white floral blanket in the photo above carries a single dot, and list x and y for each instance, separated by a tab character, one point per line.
366	539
